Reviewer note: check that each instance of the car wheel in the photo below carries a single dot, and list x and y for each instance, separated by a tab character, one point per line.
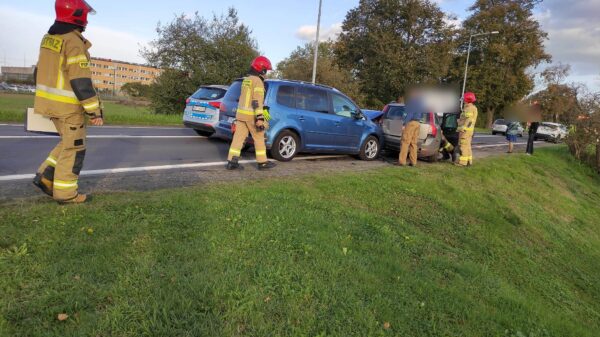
370	149
493	133
204	133
286	146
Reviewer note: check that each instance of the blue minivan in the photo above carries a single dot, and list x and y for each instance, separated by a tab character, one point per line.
308	118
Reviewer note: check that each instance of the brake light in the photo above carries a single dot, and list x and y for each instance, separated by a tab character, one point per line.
187	101
434	129
216	105
222	109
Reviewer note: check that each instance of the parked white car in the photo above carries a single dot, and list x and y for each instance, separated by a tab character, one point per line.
500	126
552	132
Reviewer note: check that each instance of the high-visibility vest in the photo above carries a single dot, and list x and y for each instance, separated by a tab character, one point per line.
468	118
252	97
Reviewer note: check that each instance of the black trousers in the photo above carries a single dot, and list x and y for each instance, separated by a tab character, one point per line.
532	131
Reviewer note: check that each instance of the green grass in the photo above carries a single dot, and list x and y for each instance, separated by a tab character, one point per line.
12	110
510	247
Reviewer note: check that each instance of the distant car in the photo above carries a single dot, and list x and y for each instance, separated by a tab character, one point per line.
202	109
308	118
430	136
500	126
552	132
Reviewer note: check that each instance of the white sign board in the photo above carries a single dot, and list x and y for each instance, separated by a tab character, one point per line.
38	123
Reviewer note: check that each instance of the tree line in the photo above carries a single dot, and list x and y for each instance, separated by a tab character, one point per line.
385	46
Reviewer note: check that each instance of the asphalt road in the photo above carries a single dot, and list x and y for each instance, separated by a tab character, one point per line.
120	158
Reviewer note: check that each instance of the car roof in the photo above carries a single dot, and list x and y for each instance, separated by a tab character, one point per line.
396	104
552	124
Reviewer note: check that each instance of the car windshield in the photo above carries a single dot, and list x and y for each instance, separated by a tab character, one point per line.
396	112
550	126
209	93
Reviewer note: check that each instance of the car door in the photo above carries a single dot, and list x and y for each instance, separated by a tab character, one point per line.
348	129
312	112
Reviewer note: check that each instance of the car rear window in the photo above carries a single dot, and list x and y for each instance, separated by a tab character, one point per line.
208	93
396	112
501	122
312	99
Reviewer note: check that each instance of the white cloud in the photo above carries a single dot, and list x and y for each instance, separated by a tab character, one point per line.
23	32
574	36
309	32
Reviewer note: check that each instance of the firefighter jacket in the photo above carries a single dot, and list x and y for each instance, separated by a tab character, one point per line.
468	118
63	77
252	98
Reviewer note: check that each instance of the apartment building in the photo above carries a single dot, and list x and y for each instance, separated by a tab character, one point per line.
110	75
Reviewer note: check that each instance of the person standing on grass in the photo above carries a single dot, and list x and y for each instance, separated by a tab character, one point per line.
65	93
512	131
534	118
415	109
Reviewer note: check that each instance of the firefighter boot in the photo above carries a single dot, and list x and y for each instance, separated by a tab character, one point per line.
266	165
43	184
79	199
234	164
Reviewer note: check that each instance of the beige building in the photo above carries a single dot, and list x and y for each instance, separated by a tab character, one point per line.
110	75
17	74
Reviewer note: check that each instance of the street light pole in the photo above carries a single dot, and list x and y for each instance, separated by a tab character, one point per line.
314	75
462	100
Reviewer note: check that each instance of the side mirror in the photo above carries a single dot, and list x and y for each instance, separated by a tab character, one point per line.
358	115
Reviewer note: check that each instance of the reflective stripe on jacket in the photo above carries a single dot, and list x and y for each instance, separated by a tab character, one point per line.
63	77
252	97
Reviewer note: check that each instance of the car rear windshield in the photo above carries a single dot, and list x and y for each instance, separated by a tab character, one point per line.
550	126
501	122
208	93
395	112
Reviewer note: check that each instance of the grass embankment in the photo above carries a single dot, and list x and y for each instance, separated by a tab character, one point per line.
510	247
12	110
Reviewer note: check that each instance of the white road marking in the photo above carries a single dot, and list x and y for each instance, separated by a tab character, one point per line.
156	168
118	127
101	137
498	145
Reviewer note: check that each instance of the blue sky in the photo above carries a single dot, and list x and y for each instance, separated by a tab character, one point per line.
121	27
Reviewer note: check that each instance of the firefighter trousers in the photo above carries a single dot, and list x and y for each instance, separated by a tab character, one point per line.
65	161
242	129
466	153
408	146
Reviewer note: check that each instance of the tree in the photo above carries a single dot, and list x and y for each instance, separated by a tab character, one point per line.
194	51
299	65
558	100
392	44
136	89
498	67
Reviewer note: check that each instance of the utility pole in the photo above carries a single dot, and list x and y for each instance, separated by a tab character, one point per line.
462	97
314	76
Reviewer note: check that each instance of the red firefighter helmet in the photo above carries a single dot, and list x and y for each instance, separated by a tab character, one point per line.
73	11
470	97
262	64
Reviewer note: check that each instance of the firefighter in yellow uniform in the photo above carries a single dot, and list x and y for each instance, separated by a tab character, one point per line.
250	117
466	128
65	93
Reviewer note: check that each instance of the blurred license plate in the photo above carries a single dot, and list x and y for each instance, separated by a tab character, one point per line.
199	108
202	116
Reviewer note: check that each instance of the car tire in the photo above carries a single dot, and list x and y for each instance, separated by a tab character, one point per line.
286	146
370	149
493	133
204	133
